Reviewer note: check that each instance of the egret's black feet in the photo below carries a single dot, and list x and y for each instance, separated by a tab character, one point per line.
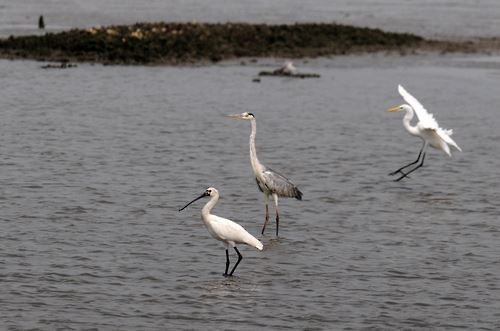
403	176
394	172
226	275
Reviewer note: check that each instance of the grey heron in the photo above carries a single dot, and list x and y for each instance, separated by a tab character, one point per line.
426	129
222	229
269	181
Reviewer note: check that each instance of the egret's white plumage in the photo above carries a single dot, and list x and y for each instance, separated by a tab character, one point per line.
270	182
427	129
224	230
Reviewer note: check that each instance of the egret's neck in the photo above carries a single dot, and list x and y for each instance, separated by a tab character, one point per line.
205	211
253	153
406	122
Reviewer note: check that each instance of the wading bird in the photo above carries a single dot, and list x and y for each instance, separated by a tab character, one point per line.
287	68
222	229
426	129
269	181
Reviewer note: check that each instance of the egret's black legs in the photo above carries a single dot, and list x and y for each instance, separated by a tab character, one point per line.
412	170
267	219
227	264
238	262
409	164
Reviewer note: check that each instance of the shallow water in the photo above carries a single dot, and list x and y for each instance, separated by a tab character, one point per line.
445	18
96	161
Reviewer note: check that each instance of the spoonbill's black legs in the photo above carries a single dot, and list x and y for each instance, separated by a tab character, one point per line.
237	262
240	257
409	164
227	264
412	170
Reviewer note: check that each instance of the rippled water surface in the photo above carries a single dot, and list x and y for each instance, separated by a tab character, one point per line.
95	162
444	18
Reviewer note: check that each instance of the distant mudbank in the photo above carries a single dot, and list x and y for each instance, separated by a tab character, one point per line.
286	74
184	43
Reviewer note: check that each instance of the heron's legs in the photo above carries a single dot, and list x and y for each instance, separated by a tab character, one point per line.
409	164
240	257
227	264
412	170
275	196
267	213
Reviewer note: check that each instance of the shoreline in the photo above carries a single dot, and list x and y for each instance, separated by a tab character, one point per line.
200	43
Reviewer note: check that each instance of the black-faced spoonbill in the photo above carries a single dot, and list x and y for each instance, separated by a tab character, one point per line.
222	229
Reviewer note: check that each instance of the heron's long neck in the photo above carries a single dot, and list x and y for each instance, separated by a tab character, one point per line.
406	122
205	211
253	153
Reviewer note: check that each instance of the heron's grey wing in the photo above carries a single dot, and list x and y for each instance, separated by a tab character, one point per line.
280	185
426	119
259	185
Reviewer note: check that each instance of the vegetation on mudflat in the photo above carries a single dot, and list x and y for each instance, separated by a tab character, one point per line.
172	43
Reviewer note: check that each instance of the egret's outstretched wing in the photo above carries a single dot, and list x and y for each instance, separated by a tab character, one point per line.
426	119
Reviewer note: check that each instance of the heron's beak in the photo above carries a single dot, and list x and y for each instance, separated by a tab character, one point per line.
235	116
198	198
393	109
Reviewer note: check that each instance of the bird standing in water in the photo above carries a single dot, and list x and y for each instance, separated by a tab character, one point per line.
222	229
269	181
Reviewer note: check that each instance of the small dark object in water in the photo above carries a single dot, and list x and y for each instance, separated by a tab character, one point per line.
285	74
41	23
256	80
62	65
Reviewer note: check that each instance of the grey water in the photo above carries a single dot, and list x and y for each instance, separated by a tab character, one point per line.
444	18
96	161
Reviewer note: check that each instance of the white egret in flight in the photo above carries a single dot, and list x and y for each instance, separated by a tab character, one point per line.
269	181
222	229
426	129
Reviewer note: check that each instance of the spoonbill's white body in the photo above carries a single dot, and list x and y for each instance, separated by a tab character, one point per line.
426	129
224	230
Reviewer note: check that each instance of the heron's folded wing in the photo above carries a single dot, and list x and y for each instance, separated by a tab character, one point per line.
281	185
